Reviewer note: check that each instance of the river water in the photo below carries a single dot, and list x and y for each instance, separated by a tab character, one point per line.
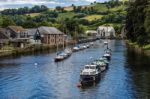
128	76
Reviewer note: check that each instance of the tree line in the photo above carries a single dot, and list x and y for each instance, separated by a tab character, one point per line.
25	10
138	22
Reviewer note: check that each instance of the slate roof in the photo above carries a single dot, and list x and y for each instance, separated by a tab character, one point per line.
2	34
49	30
17	28
32	31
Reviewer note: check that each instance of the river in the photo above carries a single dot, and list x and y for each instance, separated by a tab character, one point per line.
128	76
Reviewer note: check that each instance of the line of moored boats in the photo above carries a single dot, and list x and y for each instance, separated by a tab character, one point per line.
92	72
68	51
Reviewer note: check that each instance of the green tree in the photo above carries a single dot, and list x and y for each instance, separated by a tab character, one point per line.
135	22
7	21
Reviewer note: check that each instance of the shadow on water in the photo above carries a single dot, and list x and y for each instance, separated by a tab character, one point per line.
138	65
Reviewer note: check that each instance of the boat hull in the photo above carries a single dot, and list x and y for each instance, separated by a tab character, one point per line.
58	59
85	79
108	57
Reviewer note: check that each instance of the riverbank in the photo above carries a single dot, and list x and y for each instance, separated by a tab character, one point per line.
143	50
27	50
35	48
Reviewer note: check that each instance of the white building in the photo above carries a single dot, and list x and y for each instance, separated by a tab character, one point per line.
91	33
106	32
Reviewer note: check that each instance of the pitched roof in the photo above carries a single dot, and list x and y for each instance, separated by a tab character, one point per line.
49	30
105	28
16	28
91	31
32	31
2	34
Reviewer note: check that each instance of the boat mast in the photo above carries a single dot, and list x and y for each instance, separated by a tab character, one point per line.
75	33
107	37
57	46
63	36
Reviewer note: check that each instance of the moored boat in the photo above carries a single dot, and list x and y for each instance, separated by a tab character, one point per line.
90	73
107	55
59	58
105	43
101	64
76	48
68	51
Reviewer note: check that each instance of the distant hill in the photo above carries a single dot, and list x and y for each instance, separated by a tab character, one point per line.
69	19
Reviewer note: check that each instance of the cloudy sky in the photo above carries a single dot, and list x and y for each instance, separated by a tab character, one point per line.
50	3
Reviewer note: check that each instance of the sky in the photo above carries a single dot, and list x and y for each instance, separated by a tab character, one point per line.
50	3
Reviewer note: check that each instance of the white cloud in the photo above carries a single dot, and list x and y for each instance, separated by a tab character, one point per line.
33	2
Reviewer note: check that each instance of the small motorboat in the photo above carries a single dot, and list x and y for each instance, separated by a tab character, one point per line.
108	51
105	43
107	55
90	73
76	48
59	58
87	46
91	44
68	51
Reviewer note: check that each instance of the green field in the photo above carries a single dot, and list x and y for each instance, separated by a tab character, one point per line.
93	17
100	7
34	14
66	15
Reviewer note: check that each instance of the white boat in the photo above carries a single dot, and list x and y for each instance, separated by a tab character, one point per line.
90	73
105	43
107	55
76	48
59	58
68	51
87	45
91	44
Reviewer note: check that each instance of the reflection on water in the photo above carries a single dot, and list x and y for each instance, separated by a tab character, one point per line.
127	77
139	69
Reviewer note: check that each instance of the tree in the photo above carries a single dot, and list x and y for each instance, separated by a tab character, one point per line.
7	21
135	22
1	21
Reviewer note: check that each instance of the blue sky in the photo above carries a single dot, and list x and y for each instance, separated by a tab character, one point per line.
50	3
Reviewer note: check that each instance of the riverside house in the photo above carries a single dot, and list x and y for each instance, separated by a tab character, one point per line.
3	37
18	36
47	35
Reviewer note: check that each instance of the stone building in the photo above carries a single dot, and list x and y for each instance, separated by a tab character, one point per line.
106	32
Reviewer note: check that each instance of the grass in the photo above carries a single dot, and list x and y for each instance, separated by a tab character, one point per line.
119	8
34	14
146	47
93	17
100	7
66	15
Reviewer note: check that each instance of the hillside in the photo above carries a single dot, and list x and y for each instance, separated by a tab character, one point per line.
70	19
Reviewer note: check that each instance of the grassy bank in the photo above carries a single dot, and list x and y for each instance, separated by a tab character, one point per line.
28	50
140	49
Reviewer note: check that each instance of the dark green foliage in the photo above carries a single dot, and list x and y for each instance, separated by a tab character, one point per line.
25	10
72	22
135	22
7	21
